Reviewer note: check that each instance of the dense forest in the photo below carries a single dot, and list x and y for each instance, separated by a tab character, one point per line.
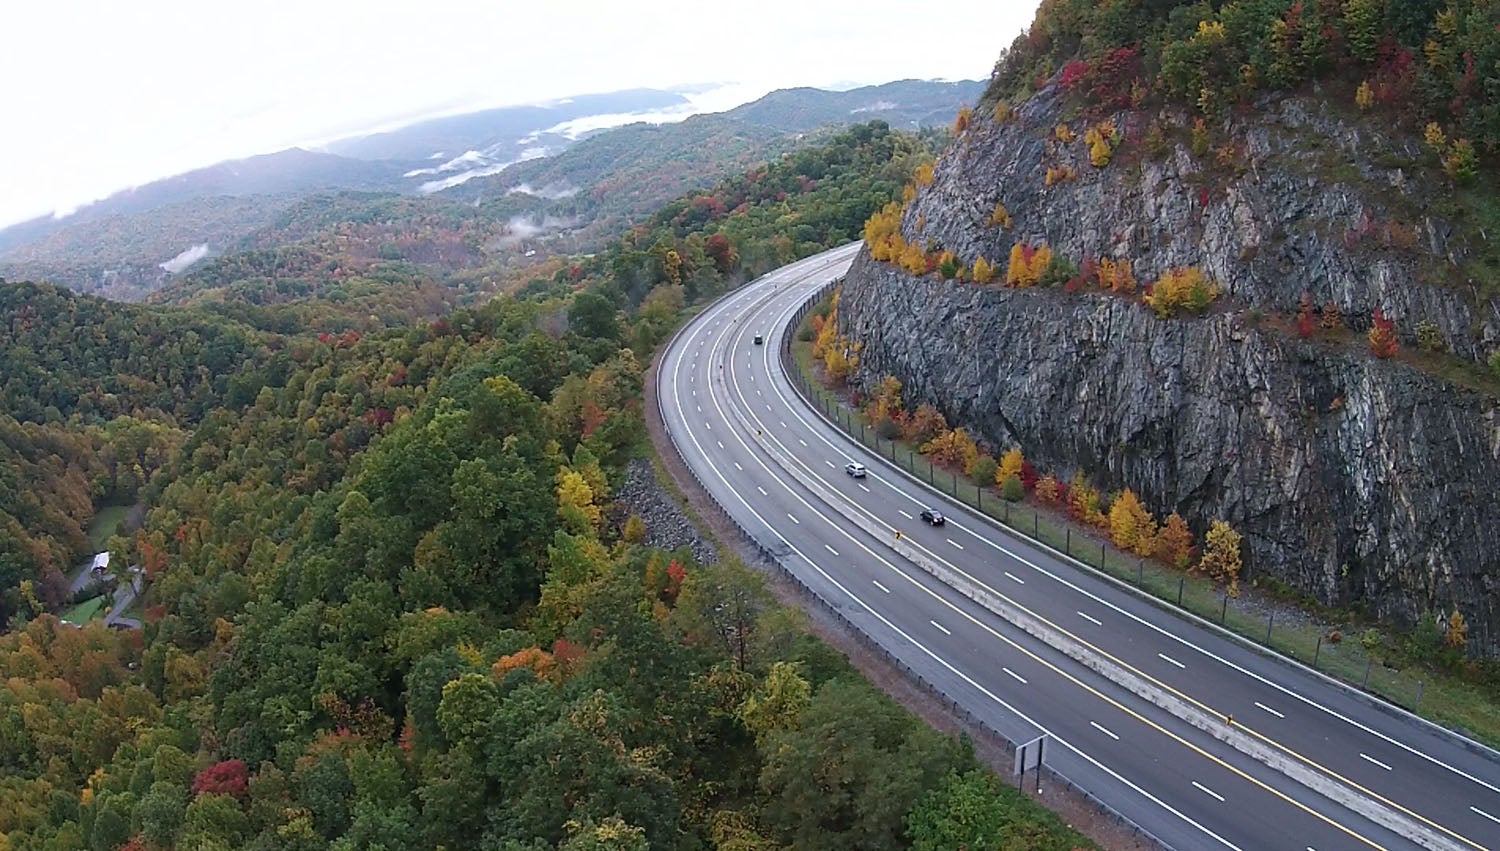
1420	61
390	603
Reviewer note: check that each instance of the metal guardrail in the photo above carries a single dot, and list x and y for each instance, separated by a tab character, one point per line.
778	558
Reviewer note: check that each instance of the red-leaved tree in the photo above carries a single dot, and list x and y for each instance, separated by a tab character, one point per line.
229	777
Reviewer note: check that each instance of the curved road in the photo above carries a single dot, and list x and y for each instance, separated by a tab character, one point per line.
1193	737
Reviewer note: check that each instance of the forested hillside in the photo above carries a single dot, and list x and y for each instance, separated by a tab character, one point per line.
391	605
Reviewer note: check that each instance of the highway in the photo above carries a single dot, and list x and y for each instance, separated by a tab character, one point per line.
1196	739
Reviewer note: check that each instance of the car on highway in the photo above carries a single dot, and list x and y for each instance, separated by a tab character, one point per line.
932	517
760	339
855	469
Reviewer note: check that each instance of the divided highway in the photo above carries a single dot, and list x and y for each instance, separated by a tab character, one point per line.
1196	739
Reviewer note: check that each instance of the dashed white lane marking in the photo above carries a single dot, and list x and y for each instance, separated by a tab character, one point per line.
1093	620
1372	760
768	407
863	488
1096	726
881	587
1017	677
1173	661
695	392
801	441
783	423
699	407
720	442
762	490
941	627
1015	577
738	467
1269	709
709	426
904	514
794	520
1494	819
1209	791
955	543
830	549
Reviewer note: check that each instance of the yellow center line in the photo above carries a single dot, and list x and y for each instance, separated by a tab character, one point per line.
1138	716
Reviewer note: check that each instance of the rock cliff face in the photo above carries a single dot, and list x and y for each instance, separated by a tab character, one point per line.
1354	479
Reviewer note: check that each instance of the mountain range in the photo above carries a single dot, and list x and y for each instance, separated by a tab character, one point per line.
594	162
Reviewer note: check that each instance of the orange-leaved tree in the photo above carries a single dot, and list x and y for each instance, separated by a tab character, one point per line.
953	448
1382	336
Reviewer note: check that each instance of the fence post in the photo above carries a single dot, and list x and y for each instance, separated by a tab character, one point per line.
1180	583
1036	525
1269	617
1102	554
1317	650
1368	663
1224	610
1140	573
1421	684
1068	545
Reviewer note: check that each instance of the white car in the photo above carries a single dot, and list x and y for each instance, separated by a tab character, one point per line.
855	469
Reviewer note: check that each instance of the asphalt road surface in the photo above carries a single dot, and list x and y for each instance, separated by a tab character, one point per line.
1198	740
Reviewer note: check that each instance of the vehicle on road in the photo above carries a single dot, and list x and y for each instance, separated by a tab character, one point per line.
760	339
855	469
932	517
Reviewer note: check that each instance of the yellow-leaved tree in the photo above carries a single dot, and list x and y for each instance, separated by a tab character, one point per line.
885	401
575	502
1181	289
983	271
1131	526
1011	464
1027	264
1221	555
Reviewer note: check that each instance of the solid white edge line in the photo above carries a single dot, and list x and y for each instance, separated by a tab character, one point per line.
1023	716
1182	618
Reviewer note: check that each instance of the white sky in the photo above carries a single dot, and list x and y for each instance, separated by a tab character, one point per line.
100	95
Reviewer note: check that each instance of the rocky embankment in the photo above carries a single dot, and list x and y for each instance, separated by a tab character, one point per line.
667	527
1357	480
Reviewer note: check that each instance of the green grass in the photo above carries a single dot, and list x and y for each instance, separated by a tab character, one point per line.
1446	699
86	611
105	523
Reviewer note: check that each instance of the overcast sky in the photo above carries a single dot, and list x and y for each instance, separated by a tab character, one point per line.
101	95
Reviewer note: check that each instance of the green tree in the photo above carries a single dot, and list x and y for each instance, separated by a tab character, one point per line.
974	810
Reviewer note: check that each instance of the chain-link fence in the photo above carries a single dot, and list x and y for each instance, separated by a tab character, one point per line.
779	557
1353	659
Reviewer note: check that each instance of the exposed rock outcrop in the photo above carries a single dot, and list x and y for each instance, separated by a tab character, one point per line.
1357	480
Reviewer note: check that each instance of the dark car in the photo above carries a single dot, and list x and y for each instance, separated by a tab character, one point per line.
759	339
932	517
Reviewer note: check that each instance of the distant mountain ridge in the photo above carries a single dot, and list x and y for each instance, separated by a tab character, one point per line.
540	161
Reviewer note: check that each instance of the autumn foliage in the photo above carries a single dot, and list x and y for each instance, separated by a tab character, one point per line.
1028	263
230	777
1181	289
1382	336
953	449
